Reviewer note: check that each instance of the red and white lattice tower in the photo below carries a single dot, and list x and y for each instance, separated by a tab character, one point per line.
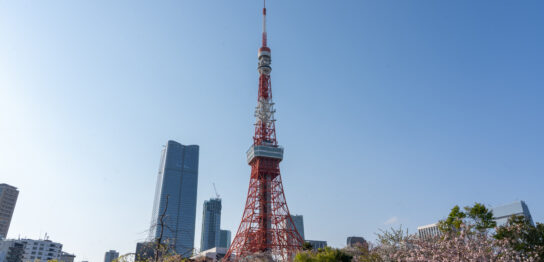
266	227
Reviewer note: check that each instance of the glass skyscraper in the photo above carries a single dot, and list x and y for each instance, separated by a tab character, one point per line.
211	223
176	194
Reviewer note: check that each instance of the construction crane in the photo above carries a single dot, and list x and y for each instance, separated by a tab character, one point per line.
215	189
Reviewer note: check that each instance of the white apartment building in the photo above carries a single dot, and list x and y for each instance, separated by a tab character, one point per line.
40	250
429	231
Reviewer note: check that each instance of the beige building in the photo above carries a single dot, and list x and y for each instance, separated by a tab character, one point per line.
8	198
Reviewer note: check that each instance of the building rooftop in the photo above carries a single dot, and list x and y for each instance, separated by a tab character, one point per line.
503	212
6	185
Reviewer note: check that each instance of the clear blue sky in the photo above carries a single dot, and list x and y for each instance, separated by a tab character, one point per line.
390	112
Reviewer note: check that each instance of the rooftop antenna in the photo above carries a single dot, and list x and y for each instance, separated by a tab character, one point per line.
215	189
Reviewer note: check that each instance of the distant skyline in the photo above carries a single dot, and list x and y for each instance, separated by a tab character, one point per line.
390	112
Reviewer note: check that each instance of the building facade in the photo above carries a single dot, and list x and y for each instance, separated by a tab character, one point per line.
40	250
66	257
224	239
11	250
298	220
8	199
355	241
144	251
428	231
175	193
111	255
317	244
502	213
212	254
211	224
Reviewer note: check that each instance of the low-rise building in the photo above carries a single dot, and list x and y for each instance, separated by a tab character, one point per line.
66	257
356	241
212	254
317	244
429	231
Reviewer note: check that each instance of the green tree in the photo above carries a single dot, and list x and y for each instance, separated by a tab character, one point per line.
481	216
307	246
362	253
326	254
454	221
522	236
476	216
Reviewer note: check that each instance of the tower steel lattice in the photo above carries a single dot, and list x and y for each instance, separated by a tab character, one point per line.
266	227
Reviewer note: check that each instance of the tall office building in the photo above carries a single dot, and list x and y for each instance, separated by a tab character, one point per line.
211	223
175	196
111	255
8	198
298	220
224	238
502	213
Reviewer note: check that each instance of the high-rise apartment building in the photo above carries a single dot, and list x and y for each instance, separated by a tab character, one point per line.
175	196
111	255
211	224
8	199
298	220
502	213
224	238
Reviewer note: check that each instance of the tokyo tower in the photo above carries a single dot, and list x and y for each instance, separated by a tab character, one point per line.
266	227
